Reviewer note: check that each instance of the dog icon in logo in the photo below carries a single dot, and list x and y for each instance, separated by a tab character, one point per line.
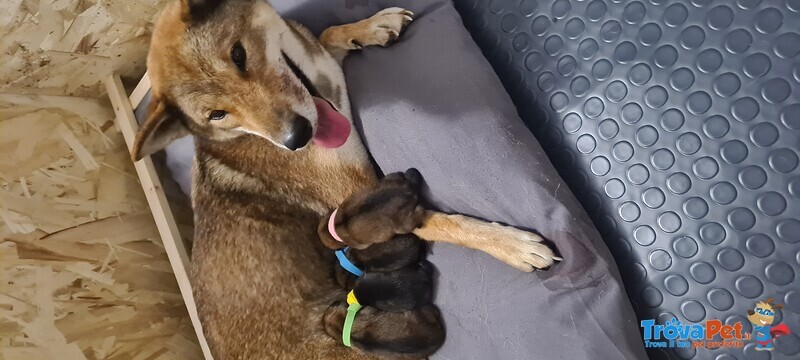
762	318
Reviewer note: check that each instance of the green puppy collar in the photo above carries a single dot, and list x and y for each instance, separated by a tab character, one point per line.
352	309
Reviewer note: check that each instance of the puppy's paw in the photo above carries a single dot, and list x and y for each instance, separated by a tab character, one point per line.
381	29
523	250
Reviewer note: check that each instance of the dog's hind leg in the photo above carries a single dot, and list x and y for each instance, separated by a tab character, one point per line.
380	29
521	249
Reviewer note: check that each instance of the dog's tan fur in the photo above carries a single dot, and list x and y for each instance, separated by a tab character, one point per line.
261	277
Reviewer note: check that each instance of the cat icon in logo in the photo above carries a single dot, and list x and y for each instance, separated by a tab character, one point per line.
762	318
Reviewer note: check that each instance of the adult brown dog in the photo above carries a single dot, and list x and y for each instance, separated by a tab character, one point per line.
267	104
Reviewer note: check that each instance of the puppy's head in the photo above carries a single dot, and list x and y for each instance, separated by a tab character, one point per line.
398	290
376	215
224	68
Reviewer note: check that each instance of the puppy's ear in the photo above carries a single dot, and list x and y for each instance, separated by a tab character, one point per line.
163	126
196	10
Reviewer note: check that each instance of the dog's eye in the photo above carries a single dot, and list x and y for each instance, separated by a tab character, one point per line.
217	115
239	56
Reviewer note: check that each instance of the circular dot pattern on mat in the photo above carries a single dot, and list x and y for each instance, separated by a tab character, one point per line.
677	126
688	143
644	235
676	285
608	129
672	120
788	229
712	233
679	183
695	208
629	211
730	259
716	127
741	219
764	134
723	193
693	310
685	246
653	198
760	245
749	286
652	297
669	222
720	299
702	272
660	260
638	174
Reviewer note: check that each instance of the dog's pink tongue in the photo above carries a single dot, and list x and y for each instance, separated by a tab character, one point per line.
332	127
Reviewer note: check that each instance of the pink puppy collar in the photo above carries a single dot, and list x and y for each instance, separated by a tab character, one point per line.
332	227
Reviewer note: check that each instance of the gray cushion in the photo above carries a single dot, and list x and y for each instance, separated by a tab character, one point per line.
431	101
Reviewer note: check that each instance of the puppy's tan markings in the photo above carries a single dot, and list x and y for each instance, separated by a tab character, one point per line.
520	249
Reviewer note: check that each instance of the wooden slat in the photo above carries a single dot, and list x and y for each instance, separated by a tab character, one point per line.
165	221
140	91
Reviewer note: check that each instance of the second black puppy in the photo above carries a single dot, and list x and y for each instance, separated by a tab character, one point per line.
397	253
399	290
395	277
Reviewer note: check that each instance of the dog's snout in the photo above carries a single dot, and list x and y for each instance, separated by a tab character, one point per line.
298	134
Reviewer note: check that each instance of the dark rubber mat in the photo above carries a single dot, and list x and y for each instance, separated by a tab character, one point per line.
677	124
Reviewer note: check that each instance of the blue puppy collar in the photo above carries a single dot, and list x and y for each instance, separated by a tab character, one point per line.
346	264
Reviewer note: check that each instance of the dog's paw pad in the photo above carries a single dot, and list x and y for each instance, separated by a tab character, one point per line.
535	256
385	27
524	251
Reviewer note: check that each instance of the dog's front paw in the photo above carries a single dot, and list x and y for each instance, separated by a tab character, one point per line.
523	250
382	28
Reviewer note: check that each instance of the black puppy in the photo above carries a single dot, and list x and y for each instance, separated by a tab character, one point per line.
400	251
375	215
399	290
413	334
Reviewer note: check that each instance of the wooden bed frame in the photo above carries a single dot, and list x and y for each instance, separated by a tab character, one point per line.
156	198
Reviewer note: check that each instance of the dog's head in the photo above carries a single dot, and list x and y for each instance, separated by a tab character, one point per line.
376	215
763	313
225	68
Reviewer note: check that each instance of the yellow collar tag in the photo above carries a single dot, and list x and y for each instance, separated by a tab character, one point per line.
352	309
351	298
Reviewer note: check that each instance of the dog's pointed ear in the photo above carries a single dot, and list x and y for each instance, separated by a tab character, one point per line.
163	126
198	9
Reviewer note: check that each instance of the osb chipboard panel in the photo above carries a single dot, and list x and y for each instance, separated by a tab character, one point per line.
83	274
67	47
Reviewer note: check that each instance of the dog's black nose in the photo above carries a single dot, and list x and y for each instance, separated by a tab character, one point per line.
298	134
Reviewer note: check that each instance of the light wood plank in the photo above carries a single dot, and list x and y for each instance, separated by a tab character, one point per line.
140	91
165	221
